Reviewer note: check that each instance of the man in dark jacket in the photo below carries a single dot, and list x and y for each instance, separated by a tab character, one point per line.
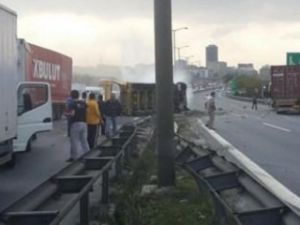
112	111
101	105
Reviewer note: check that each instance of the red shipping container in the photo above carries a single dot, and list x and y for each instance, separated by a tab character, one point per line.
55	68
278	82
285	82
40	64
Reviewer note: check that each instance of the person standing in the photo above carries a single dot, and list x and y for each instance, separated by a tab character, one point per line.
101	105
93	119
68	105
254	100
78	127
83	96
211	108
112	111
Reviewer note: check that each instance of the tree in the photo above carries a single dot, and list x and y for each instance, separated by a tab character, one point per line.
228	77
247	84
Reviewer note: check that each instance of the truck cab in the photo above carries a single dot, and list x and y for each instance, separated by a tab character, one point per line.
34	113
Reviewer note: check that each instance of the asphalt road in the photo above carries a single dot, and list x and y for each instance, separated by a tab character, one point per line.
270	140
48	156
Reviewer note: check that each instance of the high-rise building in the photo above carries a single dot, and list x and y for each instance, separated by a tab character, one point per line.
211	55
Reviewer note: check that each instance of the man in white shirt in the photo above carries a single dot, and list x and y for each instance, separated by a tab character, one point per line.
211	108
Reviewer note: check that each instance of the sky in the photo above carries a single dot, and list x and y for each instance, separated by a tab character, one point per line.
122	32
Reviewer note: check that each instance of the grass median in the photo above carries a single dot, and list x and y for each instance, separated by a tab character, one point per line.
181	205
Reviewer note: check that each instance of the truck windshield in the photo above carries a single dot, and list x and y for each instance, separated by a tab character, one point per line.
31	96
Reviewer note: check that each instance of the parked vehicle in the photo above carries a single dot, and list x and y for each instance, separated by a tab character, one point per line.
285	88
39	64
25	106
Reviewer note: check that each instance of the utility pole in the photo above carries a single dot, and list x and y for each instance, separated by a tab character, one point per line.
179	48
164	93
174	41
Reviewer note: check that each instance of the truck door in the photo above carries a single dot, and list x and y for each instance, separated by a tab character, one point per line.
34	113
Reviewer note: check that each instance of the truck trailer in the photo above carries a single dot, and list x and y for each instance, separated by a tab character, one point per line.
285	88
25	106
38	64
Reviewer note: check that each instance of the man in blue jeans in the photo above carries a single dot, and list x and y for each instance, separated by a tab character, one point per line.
112	111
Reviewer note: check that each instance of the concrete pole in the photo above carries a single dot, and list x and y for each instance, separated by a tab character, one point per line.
164	93
174	46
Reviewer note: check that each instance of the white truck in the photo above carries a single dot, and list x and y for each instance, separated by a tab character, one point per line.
25	107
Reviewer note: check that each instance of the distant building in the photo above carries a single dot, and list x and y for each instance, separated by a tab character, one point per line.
217	69
222	68
211	55
232	70
246	69
265	72
245	66
199	77
181	64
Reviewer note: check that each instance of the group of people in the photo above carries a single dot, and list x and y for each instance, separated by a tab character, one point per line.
86	116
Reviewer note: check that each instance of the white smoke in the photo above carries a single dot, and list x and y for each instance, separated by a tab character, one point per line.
185	77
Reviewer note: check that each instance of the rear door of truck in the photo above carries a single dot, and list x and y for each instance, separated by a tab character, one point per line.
292	85
278	82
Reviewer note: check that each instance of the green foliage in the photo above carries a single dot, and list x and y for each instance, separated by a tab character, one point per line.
227	78
246	85
180	206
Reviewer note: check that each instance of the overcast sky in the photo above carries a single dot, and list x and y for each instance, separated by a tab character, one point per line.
121	31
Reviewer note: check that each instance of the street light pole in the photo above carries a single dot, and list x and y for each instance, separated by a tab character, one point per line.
164	93
178	49
174	41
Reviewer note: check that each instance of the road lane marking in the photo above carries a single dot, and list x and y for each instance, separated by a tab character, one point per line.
276	127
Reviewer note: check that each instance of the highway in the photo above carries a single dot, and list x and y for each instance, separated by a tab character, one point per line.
270	140
48	156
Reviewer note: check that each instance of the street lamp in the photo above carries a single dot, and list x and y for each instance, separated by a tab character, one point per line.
174	40
178	49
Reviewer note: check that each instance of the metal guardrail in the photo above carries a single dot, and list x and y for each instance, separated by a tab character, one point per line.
206	89
50	202
237	197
